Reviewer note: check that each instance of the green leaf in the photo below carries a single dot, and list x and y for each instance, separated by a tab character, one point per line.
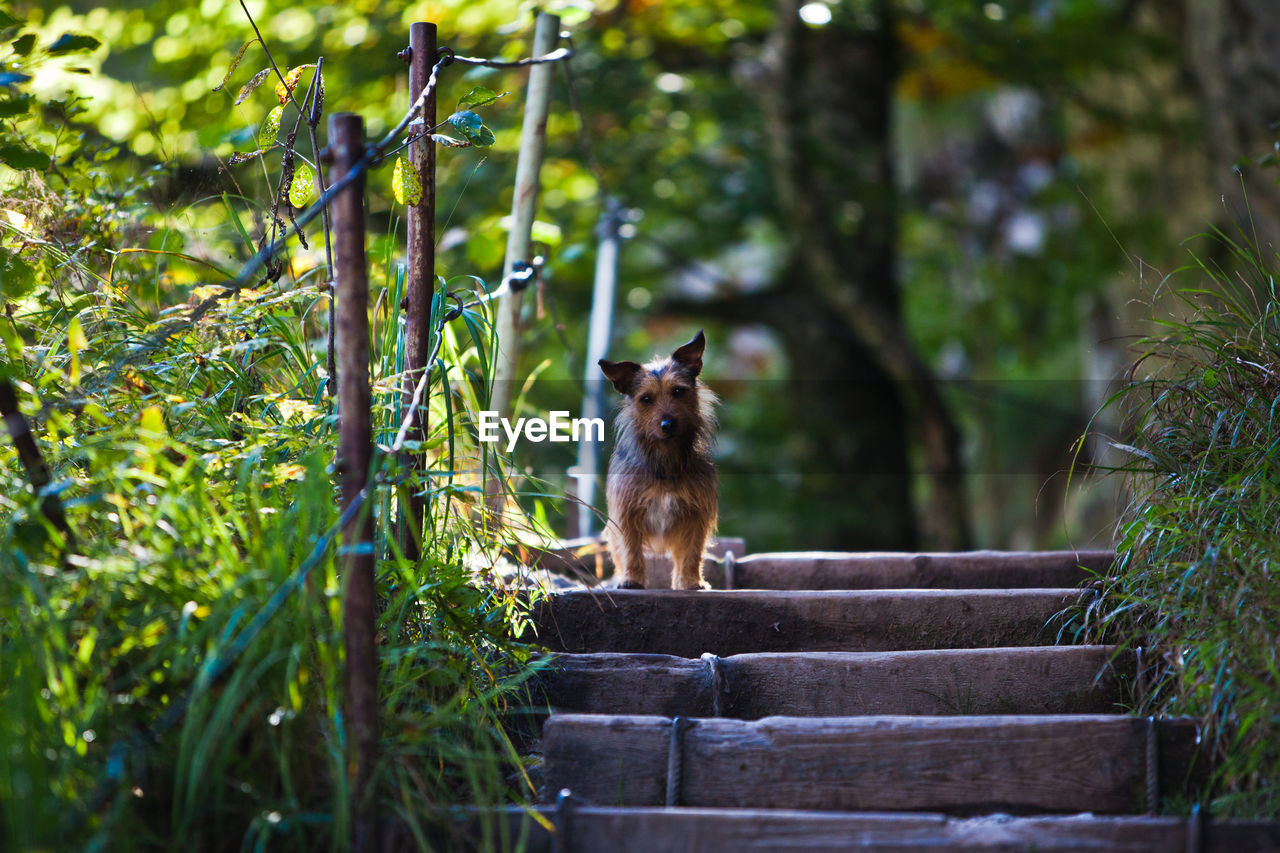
239	157
1211	378
484	138
17	278
466	122
10	107
247	89
7	20
479	97
18	157
234	63
72	43
23	44
405	183
302	187
270	126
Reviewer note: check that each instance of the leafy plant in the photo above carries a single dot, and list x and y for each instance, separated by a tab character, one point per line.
1196	584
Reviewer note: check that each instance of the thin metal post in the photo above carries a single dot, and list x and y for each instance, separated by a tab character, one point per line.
355	429
421	277
533	141
587	471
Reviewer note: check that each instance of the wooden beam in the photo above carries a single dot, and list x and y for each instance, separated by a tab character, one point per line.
962	570
689	623
1031	680
698	830
959	765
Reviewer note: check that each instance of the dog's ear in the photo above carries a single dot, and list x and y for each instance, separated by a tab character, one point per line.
621	373
689	356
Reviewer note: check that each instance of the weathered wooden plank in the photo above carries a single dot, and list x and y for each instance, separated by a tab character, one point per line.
961	570
961	765
1029	680
587	829
689	623
578	556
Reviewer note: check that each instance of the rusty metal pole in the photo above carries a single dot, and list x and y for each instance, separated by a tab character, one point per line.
355	428
421	280
524	202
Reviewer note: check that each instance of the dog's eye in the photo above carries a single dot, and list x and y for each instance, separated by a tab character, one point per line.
677	391
646	399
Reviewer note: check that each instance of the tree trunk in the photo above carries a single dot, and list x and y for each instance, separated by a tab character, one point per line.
827	102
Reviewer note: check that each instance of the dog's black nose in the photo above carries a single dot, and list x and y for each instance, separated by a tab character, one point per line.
667	425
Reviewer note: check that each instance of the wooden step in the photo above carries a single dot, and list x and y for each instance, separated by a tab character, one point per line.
962	570
589	829
1028	680
582	557
959	765
689	623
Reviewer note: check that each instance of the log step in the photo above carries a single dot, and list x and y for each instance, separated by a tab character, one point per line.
689	623
587	829
958	765
1034	680
961	570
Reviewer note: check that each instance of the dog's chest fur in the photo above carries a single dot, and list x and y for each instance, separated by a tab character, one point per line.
661	514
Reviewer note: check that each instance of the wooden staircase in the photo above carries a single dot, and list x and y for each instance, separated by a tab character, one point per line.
854	701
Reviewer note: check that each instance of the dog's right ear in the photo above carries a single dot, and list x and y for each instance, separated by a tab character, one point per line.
621	373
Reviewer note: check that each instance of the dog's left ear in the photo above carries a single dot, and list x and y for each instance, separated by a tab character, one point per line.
690	355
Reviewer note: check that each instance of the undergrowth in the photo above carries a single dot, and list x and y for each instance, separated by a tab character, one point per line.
1197	579
171	672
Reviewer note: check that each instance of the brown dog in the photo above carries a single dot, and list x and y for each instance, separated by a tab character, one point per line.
662	488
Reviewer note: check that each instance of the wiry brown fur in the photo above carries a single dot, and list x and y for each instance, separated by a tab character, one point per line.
662	487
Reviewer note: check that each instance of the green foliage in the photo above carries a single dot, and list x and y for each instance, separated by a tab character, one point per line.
1195	585
172	677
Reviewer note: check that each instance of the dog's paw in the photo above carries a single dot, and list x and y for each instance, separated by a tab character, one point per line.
698	585
630	585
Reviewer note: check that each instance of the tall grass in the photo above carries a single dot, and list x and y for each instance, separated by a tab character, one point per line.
172	679
1197	583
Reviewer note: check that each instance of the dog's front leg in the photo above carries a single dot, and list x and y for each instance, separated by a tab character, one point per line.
626	541
686	571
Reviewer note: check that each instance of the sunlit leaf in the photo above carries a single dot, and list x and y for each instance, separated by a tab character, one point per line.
151	420
405	183
76	342
479	97
72	43
270	126
247	89
23	44
449	141
234	63
240	157
303	185
290	83
18	157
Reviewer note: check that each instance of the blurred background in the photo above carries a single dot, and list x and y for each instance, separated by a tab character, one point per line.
920	235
